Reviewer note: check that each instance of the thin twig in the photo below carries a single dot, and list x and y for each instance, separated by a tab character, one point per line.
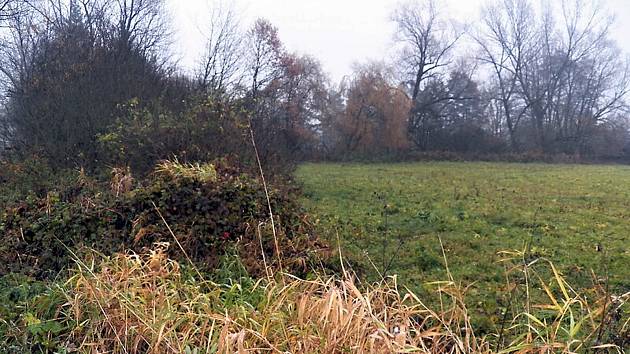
264	182
178	243
262	251
600	331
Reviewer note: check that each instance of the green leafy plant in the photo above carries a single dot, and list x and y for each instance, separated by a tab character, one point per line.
207	207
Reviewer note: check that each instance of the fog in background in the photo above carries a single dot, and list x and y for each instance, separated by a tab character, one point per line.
337	32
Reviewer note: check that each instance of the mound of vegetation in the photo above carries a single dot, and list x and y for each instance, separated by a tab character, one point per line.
203	208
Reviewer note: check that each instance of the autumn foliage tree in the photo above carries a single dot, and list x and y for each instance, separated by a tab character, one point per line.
286	95
375	115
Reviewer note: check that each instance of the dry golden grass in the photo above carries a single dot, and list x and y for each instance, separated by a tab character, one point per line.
121	181
204	173
138	304
144	303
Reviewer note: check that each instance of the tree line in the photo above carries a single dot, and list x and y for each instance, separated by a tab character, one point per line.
92	82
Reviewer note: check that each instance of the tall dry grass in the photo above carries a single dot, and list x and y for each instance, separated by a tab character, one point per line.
148	304
142	303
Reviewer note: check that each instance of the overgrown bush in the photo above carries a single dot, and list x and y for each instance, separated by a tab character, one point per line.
204	130
32	177
203	207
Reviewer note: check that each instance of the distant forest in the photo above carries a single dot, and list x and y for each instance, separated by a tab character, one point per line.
88	83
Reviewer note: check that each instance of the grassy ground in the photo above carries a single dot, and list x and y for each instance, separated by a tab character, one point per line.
394	215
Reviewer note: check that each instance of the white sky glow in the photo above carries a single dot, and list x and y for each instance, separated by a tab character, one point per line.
337	32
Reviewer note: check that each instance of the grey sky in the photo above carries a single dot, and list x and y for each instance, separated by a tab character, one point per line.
337	32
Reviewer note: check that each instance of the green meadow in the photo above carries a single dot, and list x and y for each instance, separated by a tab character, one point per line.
415	219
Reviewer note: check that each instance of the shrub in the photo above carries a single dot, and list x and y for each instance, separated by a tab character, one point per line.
204	207
141	136
32	177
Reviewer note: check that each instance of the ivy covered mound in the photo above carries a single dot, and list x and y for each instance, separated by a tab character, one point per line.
205	208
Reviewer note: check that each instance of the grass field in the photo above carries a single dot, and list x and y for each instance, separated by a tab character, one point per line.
392	216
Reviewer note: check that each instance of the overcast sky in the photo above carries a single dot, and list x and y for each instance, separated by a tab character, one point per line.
337	32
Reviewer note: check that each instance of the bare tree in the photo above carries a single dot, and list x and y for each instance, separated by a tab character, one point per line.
586	78
507	41
220	67
560	73
8	9
427	40
141	24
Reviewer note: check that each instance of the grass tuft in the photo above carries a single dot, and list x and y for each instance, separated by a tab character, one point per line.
203	173
132	303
